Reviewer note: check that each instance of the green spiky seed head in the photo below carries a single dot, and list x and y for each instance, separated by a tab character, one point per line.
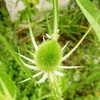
48	56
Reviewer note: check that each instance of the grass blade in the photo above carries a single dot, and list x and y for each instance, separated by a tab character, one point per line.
7	86
91	13
16	57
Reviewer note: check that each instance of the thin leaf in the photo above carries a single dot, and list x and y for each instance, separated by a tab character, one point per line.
48	25
3	97
16	56
91	13
8	86
66	56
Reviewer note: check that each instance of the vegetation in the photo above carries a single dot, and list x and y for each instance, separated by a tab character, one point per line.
75	22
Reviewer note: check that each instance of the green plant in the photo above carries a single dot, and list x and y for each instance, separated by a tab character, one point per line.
7	87
46	67
91	13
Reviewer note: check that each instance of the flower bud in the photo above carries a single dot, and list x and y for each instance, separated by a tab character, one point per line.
48	56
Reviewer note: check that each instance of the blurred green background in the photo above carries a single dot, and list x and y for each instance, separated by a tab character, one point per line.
81	84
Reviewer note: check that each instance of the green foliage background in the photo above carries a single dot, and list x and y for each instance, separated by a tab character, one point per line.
72	25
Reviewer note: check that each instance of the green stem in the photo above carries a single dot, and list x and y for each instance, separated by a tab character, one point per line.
55	11
56	88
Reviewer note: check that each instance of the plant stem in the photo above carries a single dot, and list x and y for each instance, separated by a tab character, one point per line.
55	14
57	92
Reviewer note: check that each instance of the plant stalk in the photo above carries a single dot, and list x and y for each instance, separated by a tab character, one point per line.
56	89
55	15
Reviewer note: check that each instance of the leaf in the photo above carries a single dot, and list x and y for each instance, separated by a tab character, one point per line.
16	57
94	76
91	13
63	84
34	2
8	87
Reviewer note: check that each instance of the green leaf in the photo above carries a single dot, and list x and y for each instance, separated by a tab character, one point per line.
48	25
63	84
34	2
7	87
16	57
91	13
94	76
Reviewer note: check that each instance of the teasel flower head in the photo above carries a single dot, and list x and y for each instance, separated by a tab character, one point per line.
48	58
